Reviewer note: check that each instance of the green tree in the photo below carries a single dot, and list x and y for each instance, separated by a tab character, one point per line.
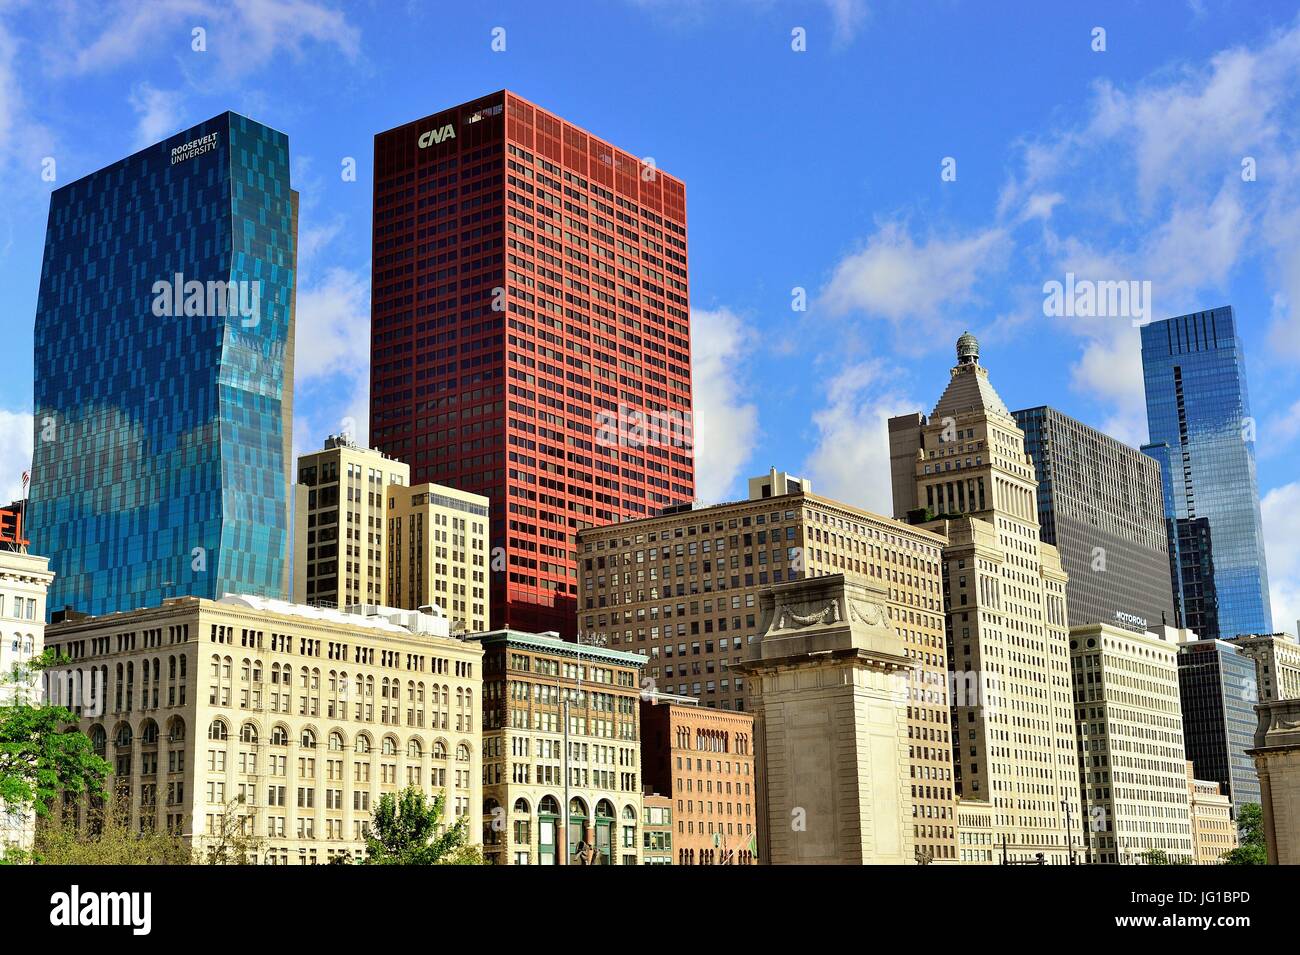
1155	857
408	830
102	835
43	756
1250	826
234	842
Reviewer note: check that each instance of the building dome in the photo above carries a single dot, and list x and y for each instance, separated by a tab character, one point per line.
968	349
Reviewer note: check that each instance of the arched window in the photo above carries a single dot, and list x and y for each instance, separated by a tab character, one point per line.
363	743
123	738
462	753
279	736
439	749
521	805
577	807
605	809
99	739
176	730
336	742
149	732
629	814
549	806
414	750
308	740
248	733
389	746
218	730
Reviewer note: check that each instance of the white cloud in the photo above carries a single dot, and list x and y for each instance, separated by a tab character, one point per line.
242	35
725	424
847	18
159	113
333	326
895	278
1281	516
15	452
850	461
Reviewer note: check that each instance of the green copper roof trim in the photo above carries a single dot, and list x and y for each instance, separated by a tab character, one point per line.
535	641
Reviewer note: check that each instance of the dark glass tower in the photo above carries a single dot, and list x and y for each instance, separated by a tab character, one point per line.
1100	503
1202	435
164	373
1218	690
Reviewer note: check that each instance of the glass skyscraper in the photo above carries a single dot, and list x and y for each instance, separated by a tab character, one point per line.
1100	503
1202	434
164	373
1218	691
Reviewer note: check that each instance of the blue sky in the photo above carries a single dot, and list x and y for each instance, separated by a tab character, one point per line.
817	170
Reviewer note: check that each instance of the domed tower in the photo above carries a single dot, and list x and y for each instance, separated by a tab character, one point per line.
968	349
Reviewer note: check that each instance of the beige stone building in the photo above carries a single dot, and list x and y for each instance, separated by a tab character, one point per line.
1213	831
24	581
829	679
292	721
683	588
345	558
1277	664
963	473
438	553
977	839
1132	763
561	727
1277	760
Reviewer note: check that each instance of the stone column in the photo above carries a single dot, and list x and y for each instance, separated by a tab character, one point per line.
828	677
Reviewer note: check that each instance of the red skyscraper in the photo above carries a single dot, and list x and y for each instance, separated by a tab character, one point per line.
530	334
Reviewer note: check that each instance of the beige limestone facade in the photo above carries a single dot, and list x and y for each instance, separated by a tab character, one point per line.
24	580
1132	761
1213	831
683	588
438	553
345	562
1277	760
963	473
1277	664
289	721
829	677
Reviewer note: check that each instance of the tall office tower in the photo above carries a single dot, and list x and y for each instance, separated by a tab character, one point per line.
684	587
561	723
286	721
1277	664
1202	434
164	373
530	334
1100	504
1219	689
438	553
1005	600
1130	734
347	488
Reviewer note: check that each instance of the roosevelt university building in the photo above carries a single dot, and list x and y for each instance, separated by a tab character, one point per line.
1100	503
164	374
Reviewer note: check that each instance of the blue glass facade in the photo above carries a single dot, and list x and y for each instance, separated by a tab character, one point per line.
164	373
1202	434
